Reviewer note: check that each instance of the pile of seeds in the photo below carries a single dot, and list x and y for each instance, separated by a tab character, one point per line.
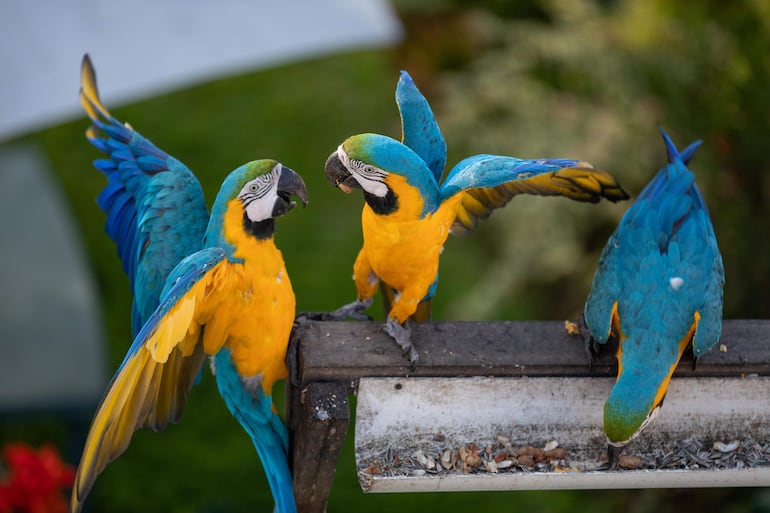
695	454
472	458
503	457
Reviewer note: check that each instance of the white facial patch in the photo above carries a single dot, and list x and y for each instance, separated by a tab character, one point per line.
370	178
260	194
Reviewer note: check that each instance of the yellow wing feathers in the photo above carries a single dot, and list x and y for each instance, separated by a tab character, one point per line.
151	387
581	183
477	204
144	393
89	94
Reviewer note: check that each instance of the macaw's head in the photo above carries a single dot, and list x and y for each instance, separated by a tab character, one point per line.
389	173
256	193
633	403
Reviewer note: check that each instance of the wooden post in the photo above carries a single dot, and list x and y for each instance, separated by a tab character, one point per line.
319	425
318	416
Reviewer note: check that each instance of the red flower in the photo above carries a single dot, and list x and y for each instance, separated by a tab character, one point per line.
34	480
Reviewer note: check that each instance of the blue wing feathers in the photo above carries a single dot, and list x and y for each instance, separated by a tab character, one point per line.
492	170
121	224
420	130
139	174
151	164
137	201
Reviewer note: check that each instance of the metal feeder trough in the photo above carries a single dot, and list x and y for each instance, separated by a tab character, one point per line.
404	425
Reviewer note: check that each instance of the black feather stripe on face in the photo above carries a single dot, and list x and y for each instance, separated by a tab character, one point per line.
260	230
382	205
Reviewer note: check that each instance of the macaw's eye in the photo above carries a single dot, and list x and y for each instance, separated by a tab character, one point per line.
253	187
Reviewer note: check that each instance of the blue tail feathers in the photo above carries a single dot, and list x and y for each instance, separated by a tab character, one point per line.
254	411
673	154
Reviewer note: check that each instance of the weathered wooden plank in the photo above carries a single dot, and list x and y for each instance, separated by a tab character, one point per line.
318	416
342	351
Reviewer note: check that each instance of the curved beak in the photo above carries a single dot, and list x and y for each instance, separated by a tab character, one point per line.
338	175
289	184
613	456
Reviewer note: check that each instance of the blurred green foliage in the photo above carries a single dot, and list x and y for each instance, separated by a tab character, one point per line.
582	79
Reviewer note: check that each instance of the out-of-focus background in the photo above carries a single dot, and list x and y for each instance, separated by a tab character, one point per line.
587	79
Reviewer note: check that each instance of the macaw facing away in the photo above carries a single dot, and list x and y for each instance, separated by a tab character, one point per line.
658	289
229	298
409	212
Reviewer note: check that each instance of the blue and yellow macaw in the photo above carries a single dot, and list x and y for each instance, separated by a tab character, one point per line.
409	212
229	297
658	290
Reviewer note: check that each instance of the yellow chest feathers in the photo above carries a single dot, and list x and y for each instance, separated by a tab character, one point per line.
403	250
256	307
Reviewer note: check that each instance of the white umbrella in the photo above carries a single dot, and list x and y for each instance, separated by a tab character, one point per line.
145	47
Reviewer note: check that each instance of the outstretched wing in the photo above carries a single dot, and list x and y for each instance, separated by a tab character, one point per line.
151	385
488	182
156	213
420	132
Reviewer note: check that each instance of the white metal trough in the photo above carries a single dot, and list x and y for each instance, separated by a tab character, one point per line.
397	419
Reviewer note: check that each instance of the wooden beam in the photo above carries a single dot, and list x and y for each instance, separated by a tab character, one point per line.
346	351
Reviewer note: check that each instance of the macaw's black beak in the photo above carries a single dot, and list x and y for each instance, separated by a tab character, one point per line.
338	175
613	456
289	184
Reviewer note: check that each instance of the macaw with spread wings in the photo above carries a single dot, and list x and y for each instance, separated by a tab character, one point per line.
203	286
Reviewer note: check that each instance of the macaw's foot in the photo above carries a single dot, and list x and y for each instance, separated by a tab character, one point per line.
613	457
354	310
403	337
589	344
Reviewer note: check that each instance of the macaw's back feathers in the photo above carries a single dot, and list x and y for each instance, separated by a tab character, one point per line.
488	182
659	283
671	216
156	213
420	131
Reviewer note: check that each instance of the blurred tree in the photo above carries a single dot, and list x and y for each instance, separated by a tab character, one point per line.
584	78
589	79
